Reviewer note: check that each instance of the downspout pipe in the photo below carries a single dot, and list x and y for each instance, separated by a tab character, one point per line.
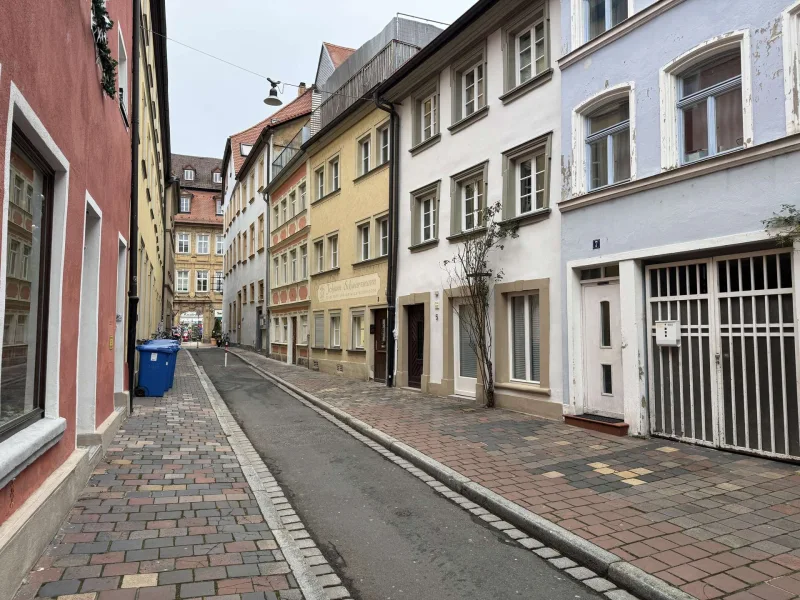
133	238
394	235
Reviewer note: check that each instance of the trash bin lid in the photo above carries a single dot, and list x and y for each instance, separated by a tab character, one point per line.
158	349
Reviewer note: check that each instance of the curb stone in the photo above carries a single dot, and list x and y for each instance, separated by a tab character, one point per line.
296	551
606	564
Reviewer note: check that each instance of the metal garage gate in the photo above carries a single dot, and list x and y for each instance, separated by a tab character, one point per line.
732	381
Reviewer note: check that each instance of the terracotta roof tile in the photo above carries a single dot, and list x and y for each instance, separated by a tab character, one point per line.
203	209
338	54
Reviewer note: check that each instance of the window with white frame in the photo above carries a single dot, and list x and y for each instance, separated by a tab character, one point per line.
13	257
383	145
424	214
333	167
471	203
319	255
201	281
188	174
529	52
183	243
429	117
357	336
468	194
244	149
319	330
276	216
709	106
364	155
219	207
122	73
186	204
285	268
284	330
292	205
217	177
293	264
203	243
302	338
608	147
473	93
383	236
284	211
602	15
302	192
363	241
319	176
524	338
220	248
303	262
276	268
182	281
26	262
335	331
276	330
333	250
427	208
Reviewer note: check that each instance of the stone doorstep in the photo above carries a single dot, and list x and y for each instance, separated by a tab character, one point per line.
606	564
586	422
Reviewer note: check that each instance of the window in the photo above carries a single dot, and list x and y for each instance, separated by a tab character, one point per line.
188	174
302	206
364	155
363	242
244	294
424	214
202	243
320	256
319	330
383	145
525	186
219	207
529	52
608	144
183	243
710	108
336	326
303	262
244	246
284	330
284	211
302	339
23	191
383	232
276	324
473	93
292	204
276	216
252	239
319	174
261	290
252	293
219	282
276	272
525	338
471	204
333	248
244	149
429	128
26	262
220	249
427	207
468	192
186	204
122	73
285	269
605	324
217	177
602	15
261	171
252	185
201	281
293	261
357	331
333	165
261	232
13	258
183	281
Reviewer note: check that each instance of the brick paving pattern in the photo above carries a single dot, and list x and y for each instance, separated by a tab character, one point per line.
713	523
168	514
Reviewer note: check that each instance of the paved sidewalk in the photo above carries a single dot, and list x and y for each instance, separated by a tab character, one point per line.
169	514
712	523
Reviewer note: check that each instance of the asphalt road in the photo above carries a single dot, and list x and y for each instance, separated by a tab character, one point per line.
386	533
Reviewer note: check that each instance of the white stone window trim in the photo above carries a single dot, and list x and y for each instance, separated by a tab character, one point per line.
181	284
188	241
791	66
203	238
24	447
579	22
580	155
357	314
669	84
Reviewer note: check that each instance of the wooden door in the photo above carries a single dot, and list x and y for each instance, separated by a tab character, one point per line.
416	344
379	346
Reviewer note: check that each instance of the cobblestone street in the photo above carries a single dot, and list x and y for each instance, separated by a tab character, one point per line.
169	513
715	524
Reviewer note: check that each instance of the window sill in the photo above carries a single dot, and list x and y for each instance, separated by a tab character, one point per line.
529	388
467	121
422	246
253	255
370	260
356	350
328	195
25	446
280	343
371	171
524	88
466	234
339	349
260	250
528	218
326	272
434	139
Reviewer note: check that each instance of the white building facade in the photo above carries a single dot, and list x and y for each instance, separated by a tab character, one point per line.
479	122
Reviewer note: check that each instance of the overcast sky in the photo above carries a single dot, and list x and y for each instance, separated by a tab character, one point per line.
210	100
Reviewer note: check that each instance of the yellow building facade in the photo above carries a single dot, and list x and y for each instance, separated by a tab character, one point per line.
348	180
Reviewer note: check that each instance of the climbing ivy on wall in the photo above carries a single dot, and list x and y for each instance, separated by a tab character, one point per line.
101	25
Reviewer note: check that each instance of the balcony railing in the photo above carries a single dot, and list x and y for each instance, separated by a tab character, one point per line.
289	152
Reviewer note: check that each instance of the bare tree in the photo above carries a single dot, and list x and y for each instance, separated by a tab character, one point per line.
470	273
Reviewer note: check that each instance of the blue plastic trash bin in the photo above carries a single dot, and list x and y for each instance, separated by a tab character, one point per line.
167	344
156	365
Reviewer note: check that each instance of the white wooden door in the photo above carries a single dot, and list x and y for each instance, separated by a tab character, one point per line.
602	349
464	357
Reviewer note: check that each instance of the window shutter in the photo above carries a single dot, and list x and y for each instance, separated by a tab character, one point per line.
467	356
319	331
534	324
518	342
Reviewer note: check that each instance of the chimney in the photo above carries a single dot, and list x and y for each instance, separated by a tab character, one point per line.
301	89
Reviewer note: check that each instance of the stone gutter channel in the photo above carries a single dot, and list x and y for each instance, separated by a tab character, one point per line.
598	568
314	575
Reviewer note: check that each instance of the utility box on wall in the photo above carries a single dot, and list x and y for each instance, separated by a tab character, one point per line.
668	333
